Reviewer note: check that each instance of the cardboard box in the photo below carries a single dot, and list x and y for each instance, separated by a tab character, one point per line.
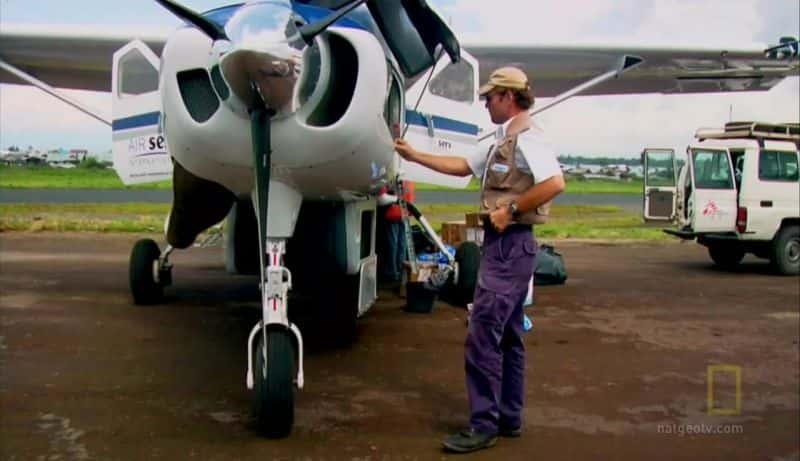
475	234
474	219
454	232
424	272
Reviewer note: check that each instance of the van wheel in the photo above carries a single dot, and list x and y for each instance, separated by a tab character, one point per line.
726	256
786	250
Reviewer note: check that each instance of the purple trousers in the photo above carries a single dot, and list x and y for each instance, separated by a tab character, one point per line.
494	349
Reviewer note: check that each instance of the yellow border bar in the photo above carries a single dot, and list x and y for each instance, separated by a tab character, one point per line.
737	371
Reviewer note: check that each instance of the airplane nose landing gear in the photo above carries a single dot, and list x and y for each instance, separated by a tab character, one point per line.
148	272
275	361
273	371
273	387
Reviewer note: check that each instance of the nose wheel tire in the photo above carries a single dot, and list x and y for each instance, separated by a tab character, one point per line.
786	251
274	384
142	273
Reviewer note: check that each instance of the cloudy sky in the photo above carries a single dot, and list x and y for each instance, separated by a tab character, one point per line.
605	125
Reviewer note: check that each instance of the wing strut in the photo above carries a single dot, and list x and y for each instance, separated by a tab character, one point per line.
54	92
624	64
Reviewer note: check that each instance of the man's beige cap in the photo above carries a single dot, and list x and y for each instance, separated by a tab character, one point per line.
505	77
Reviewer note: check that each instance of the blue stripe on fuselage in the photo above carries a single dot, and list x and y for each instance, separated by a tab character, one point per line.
441	123
136	121
313	13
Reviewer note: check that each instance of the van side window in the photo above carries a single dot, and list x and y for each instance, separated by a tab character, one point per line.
712	170
777	166
660	171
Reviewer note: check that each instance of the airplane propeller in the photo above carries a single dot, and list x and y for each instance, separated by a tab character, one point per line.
215	32
787	48
309	31
210	28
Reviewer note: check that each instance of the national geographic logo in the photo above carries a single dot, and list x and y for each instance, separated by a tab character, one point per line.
711	371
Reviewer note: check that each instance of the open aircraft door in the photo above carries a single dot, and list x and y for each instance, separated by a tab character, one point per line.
139	147
446	119
660	184
713	203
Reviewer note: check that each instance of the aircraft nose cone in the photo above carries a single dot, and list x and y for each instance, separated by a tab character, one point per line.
255	75
264	61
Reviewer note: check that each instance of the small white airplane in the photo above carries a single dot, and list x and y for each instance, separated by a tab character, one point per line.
280	117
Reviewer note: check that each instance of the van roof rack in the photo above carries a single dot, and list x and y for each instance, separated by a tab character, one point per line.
753	130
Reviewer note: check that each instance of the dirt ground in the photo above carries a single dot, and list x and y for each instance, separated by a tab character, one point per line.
617	363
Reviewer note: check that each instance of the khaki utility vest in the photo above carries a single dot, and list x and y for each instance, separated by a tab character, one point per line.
503	182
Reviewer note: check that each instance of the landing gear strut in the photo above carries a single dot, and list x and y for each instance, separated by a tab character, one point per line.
275	346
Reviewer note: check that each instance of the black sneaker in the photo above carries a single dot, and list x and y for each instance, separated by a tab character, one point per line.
510	432
468	441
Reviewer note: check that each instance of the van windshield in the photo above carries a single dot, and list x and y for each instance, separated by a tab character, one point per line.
712	169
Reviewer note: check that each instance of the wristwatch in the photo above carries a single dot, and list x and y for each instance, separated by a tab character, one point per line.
512	207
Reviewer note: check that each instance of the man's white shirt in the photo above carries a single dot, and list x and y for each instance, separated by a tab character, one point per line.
538	155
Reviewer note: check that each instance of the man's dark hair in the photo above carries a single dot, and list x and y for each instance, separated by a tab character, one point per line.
524	98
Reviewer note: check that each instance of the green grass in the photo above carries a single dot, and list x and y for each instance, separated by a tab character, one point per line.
91	178
92	217
73	178
473	185
569	221
575	185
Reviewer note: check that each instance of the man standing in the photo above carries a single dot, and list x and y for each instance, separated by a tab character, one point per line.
519	175
391	238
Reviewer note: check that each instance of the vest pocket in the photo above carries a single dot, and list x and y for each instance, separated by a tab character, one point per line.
501	166
498	176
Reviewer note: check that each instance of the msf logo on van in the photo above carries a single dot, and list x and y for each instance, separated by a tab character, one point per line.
710	209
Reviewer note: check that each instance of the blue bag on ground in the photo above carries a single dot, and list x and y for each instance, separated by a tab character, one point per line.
550	269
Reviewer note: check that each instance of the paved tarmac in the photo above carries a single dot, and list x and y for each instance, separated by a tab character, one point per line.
632	203
617	363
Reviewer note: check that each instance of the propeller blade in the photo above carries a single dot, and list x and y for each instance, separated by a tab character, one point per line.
787	48
309	31
213	30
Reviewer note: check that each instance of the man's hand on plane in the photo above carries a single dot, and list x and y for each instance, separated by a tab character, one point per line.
404	149
501	218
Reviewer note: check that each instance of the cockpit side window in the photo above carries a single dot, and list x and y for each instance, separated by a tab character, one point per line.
456	82
393	107
137	75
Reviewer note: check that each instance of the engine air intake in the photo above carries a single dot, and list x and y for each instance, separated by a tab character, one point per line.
198	96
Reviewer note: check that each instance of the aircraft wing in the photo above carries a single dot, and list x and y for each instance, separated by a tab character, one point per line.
66	58
81	59
556	69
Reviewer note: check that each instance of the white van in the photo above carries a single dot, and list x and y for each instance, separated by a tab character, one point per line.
739	192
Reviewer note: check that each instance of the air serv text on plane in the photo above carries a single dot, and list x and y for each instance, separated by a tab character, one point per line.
146	144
